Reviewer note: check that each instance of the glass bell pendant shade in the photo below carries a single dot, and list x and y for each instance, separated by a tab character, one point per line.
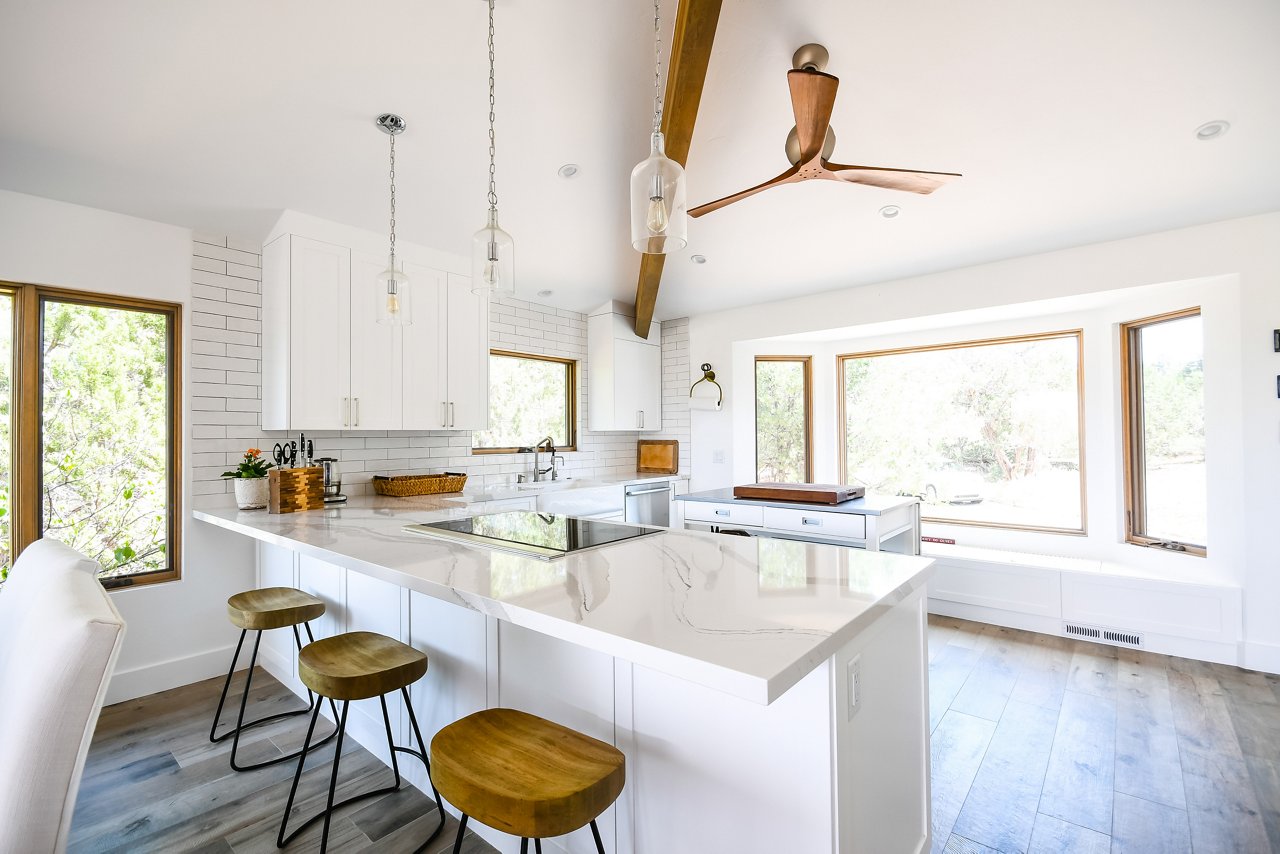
659	224
493	259
393	297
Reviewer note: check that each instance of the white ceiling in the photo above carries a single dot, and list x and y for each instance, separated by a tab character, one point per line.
1072	123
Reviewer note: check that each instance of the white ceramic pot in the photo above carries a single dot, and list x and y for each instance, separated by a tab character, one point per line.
251	492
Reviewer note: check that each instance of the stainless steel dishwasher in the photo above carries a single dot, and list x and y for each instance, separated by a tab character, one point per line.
649	503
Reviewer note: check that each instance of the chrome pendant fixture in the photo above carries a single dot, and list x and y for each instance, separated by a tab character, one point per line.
393	292
492	249
658	221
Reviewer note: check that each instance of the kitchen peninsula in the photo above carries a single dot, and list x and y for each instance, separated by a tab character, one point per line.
769	694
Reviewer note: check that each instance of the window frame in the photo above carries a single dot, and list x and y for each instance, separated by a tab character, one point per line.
807	362
27	442
842	440
1132	438
571	399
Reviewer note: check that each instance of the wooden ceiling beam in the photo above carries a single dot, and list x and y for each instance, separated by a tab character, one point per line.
695	30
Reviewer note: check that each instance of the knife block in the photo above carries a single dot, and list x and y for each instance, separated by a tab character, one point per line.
293	490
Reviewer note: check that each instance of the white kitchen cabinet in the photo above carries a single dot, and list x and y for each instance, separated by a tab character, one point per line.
306	338
376	365
446	353
329	365
624	377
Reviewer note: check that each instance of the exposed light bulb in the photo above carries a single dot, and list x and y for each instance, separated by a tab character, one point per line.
393	304
657	219
491	276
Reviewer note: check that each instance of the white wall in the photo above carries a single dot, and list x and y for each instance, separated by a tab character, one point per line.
1237	264
177	631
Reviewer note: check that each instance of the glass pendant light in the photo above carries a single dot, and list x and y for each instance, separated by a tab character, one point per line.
493	250
658	222
393	291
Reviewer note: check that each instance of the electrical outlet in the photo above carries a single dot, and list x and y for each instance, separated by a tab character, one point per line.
717	456
854	672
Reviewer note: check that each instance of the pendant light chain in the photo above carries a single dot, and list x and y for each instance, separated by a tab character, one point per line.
493	185
657	70
393	200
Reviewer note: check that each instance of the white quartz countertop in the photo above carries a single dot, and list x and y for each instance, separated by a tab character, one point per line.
749	616
868	505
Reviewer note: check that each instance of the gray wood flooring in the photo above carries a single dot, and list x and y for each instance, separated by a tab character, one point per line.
1039	744
1045	744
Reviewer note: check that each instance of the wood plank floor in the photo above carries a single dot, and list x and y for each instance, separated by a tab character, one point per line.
1046	744
153	783
1039	744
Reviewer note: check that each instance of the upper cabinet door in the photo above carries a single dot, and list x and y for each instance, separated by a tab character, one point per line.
468	356
319	335
649	392
630	360
375	351
425	404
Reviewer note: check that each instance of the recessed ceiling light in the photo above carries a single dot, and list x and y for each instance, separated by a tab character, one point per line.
698	259
545	293
568	170
890	211
1212	130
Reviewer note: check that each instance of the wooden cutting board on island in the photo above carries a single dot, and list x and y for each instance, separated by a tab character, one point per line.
809	493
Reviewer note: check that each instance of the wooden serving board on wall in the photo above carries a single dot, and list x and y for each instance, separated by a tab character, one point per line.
658	456
812	493
293	490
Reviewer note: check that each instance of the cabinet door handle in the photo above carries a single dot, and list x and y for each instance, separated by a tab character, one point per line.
641	419
722	512
356	419
444	414
807	521
346	412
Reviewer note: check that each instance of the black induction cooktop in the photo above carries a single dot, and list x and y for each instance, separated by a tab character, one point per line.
539	535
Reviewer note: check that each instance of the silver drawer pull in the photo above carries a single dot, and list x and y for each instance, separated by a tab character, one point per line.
722	512
814	522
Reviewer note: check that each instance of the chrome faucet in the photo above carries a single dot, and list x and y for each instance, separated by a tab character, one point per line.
538	470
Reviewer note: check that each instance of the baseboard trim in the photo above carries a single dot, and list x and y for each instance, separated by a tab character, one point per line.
174	673
1260	656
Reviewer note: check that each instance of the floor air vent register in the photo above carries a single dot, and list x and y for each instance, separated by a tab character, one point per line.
1101	635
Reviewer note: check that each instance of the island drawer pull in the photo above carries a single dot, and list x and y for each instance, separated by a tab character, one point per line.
722	512
804	520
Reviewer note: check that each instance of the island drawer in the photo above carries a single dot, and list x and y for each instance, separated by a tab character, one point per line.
816	522
724	514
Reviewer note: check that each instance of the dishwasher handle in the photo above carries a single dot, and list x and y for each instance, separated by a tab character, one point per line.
648	491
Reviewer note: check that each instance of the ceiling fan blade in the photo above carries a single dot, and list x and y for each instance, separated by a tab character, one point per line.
784	178
813	95
911	180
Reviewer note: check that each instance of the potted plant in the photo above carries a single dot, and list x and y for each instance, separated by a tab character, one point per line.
251	480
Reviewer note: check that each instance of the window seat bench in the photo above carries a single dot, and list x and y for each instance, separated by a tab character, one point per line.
1088	599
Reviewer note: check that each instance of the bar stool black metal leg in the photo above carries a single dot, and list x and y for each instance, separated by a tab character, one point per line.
333	777
595	831
422	747
281	841
462	829
537	846
524	845
234	733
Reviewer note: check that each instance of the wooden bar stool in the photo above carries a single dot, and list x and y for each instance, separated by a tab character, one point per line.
358	666
525	775
259	611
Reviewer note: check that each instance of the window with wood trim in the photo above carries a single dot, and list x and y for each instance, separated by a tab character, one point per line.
91	396
1162	367
985	432
784	423
530	397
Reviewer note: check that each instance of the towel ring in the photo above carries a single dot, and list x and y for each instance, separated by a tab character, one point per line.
709	376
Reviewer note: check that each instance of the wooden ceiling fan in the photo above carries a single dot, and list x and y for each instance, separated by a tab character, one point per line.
813	95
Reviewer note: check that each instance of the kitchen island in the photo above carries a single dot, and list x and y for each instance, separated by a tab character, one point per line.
725	668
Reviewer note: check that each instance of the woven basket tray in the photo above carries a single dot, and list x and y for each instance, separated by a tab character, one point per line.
419	484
